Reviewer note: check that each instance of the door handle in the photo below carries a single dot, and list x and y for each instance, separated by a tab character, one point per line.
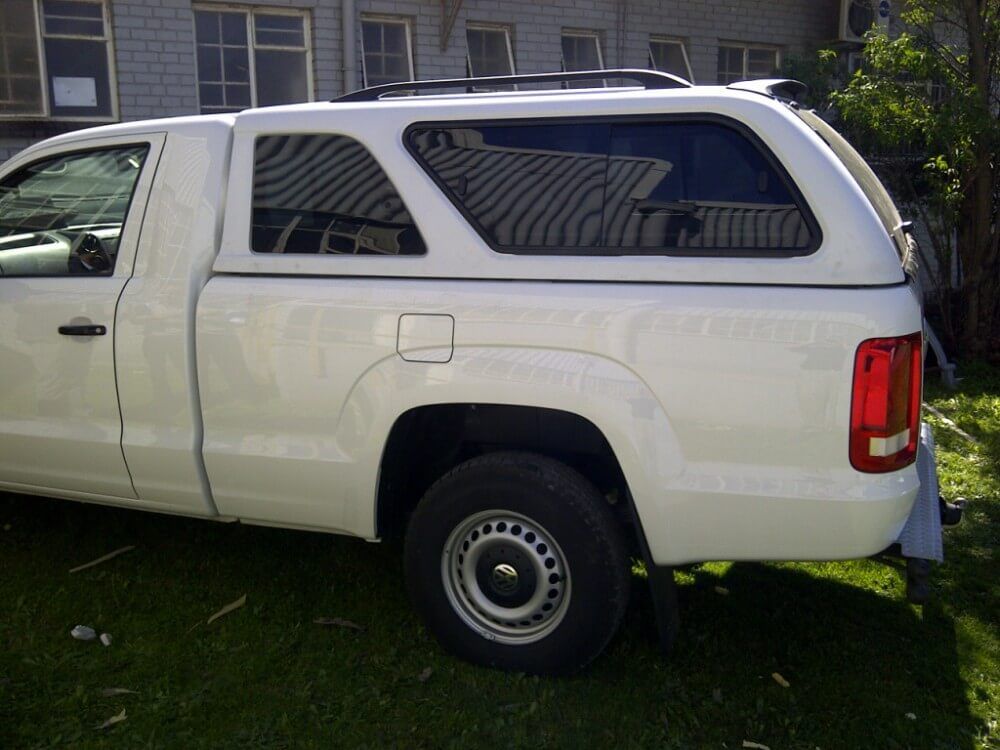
84	330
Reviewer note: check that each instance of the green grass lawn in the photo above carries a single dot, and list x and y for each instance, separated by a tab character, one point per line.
866	670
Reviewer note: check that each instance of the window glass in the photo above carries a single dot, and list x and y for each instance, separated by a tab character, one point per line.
742	63
669	56
592	188
761	63
223	61
386	51
489	52
280	59
696	186
20	76
226	80
326	194
64	215
582	52
524	185
730	64
77	60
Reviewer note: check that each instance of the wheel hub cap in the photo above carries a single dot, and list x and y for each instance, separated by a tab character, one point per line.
506	577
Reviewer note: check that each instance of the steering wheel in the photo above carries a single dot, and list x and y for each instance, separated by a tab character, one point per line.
90	252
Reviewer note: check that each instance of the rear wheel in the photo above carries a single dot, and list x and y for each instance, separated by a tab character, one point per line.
515	561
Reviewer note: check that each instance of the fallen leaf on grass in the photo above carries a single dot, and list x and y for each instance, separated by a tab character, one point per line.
780	680
105	558
722	590
755	745
112	692
338	622
116	719
426	674
227	609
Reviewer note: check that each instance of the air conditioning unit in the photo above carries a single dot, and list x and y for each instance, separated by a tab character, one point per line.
858	16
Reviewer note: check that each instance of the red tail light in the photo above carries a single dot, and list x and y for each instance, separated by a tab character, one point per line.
885	403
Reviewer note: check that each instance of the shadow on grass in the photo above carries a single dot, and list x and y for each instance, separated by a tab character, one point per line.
858	660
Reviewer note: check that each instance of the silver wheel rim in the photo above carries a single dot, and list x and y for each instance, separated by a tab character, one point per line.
506	577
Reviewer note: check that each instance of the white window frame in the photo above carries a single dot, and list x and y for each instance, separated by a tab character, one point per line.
474	26
595	36
399	21
43	74
248	12
746	47
655	39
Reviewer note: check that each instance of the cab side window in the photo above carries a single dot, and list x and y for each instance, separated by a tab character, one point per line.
64	215
326	194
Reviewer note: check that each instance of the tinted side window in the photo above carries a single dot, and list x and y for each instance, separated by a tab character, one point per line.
696	186
626	188
526	186
64	215
326	194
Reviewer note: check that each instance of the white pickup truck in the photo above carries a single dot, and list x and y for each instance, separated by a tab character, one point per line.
537	333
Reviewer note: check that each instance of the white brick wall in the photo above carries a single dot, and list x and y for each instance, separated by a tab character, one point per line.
155	58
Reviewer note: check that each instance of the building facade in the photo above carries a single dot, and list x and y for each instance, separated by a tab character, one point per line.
66	64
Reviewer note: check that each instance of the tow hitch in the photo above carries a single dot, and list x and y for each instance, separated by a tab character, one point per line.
918	569
951	513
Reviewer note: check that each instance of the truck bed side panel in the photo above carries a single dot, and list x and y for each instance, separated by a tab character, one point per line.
727	406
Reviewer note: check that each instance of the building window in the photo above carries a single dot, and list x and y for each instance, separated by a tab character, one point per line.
56	60
386	50
490	53
581	50
670	56
325	194
251	58
743	63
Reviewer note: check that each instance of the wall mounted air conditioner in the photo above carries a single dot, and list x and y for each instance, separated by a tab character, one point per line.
858	16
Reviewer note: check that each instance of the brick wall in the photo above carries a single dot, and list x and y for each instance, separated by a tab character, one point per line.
155	56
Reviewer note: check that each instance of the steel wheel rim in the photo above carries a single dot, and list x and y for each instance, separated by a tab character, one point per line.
506	577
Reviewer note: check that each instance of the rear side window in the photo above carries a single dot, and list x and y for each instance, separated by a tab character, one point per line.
524	186
617	188
697	186
326	194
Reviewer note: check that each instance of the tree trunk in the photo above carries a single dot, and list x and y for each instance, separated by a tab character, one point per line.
977	241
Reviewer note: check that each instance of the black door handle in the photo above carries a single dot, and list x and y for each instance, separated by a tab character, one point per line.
86	330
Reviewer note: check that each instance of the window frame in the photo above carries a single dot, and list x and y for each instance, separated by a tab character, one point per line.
658	39
43	74
582	34
407	25
248	12
815	232
745	48
477	26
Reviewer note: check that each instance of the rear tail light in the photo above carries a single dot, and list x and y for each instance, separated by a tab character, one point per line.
885	403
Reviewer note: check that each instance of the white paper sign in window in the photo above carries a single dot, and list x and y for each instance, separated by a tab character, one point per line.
74	92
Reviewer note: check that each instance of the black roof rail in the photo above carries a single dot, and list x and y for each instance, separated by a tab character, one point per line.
783	89
650	79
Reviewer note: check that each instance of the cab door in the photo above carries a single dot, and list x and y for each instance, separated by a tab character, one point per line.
69	225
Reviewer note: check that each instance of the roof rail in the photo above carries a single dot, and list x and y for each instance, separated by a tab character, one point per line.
650	79
784	89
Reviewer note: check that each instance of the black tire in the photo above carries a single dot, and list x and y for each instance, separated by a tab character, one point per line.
557	502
